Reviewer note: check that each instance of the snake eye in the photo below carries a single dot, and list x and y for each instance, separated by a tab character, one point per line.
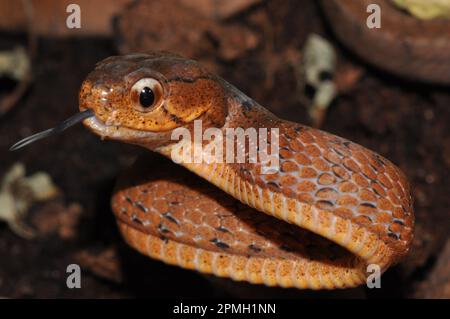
145	94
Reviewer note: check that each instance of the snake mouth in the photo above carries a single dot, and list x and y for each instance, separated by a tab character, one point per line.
148	139
113	132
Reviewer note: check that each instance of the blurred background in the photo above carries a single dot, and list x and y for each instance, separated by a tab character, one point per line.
312	62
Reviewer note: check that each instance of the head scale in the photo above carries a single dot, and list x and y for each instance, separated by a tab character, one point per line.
141	98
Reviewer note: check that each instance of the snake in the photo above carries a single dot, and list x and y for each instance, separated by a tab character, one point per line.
418	50
330	210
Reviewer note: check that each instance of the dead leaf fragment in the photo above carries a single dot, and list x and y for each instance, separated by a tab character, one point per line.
18	193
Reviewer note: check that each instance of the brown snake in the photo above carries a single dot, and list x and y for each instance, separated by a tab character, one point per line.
331	209
404	45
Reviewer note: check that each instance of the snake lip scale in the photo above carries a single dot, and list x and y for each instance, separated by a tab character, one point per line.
333	208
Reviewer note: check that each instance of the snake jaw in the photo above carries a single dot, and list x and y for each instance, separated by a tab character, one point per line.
149	140
110	131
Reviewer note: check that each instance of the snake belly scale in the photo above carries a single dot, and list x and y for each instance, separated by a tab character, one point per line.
331	209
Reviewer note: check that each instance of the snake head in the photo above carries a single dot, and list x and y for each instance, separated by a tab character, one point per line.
142	98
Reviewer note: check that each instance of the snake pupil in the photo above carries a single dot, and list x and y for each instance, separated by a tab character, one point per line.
146	97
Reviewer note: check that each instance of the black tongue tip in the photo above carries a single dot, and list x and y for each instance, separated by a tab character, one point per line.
52	131
30	139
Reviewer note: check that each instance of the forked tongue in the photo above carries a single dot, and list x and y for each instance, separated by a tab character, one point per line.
53	131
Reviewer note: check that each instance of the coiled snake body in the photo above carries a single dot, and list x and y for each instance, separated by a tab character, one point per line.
404	45
332	209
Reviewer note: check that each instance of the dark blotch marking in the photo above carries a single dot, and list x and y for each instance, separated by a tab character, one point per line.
299	129
255	248
128	199
375	190
141	206
368	177
368	205
164	239
162	229
171	218
135	219
334	172
247	105
219	243
393	235
339	153
223	229
285	149
381	161
398	221
176	119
